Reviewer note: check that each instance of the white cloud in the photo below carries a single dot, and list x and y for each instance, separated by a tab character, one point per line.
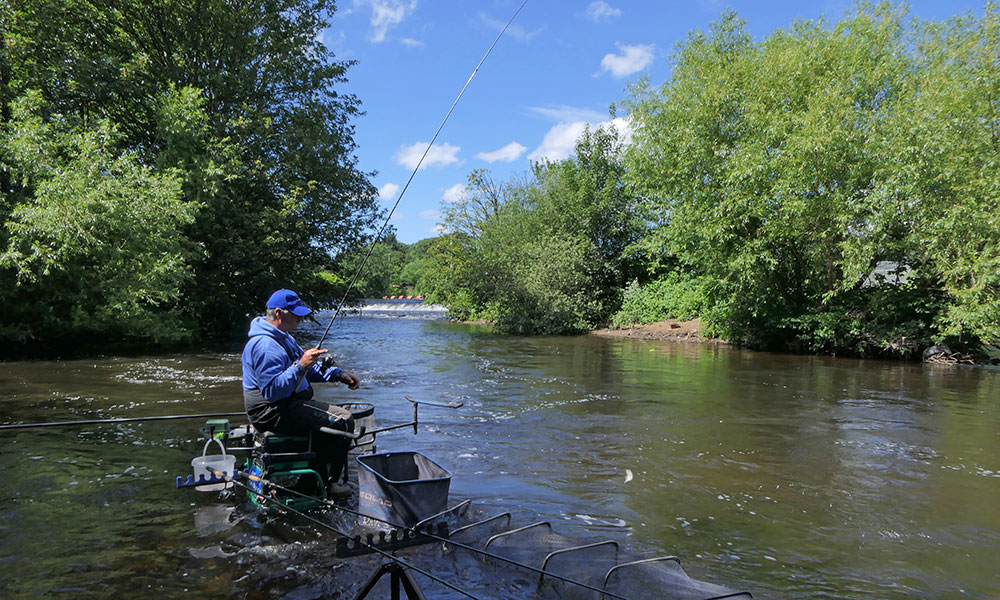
440	155
429	214
385	14
411	43
602	11
562	113
454	193
624	127
388	191
631	60
508	153
514	30
560	141
439	229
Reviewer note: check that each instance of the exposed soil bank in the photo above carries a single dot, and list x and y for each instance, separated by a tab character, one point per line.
669	330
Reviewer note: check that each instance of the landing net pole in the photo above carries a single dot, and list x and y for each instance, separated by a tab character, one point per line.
122	420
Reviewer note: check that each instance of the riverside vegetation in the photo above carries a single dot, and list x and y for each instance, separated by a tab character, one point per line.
832	187
166	164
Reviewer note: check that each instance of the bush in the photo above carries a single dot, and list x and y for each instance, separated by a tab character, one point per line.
879	321
675	296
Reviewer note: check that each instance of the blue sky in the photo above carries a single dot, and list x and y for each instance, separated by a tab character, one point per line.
561	65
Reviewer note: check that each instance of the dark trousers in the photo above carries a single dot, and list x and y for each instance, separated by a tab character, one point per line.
303	415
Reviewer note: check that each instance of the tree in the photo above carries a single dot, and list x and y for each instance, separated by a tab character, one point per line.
381	272
101	239
782	172
481	202
238	102
759	157
546	255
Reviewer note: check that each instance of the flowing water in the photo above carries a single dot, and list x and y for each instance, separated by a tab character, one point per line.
787	476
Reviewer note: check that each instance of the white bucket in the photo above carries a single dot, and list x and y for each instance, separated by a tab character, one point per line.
219	462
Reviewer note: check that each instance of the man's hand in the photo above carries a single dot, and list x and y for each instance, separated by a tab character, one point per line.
311	357
350	380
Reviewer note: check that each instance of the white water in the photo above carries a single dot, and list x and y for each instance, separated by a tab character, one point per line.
400	308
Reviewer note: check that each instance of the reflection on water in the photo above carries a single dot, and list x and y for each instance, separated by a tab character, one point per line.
790	476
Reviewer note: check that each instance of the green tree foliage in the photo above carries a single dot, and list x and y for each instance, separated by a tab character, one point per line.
942	170
418	267
676	295
224	131
782	172
449	276
102	236
545	255
381	273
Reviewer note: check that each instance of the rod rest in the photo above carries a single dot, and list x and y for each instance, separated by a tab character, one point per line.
190	481
393	539
269	458
351	435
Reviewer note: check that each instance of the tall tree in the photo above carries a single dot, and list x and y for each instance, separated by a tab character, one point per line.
546	255
783	172
239	102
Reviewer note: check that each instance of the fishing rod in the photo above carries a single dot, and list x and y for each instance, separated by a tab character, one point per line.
257	478
329	527
354	279
350	286
385	224
205	416
121	420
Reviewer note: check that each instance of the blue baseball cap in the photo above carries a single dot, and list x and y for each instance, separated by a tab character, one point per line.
288	300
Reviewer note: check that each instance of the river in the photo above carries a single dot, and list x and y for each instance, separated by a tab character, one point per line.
786	476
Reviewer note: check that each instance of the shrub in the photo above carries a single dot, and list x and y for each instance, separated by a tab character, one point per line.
674	296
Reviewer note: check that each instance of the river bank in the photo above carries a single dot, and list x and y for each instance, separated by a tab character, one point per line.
673	330
670	330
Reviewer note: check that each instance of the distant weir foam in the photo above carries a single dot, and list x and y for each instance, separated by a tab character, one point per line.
400	308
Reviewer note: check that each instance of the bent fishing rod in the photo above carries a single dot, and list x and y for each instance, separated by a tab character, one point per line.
357	274
420	162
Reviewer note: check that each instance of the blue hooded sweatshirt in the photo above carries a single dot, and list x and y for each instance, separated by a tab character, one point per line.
271	363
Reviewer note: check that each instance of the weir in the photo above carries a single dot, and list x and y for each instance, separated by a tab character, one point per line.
400	308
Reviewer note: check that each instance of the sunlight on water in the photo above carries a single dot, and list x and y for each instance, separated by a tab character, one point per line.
788	476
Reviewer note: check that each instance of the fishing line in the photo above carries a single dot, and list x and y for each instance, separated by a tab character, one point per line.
378	237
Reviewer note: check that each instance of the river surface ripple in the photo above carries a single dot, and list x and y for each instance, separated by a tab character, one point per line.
788	476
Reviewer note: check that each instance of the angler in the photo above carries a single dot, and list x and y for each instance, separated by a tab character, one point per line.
277	393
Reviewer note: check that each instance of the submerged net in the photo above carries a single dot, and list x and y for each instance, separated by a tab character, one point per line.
310	570
567	562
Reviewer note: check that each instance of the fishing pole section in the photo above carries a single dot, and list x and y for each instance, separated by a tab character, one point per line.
117	420
413	173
